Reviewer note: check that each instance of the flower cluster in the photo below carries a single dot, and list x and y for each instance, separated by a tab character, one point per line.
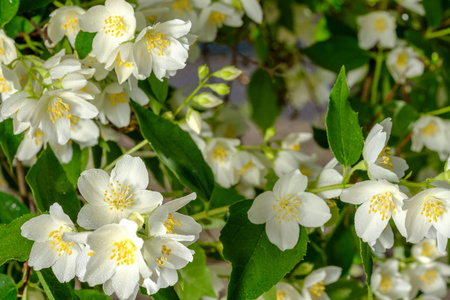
135	239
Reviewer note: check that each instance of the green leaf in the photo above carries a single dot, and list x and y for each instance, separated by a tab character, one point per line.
418	39
8	9
159	88
257	263
11	208
433	12
12	244
163	294
287	16
337	51
262	93
344	289
343	131
195	279
320	137
176	149
8	141
49	184
8	290
154	165
83	43
224	197
91	295
367	262
29	5
54	288
339	248
74	168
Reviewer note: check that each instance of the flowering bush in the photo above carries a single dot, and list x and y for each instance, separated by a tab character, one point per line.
224	149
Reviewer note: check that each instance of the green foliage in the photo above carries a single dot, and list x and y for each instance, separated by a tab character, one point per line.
91	295
164	294
367	261
8	141
12	244
195	278
53	288
337	51
176	149
159	88
262	93
29	5
83	43
78	163
257	263
11	208
8	10
343	131
433	12
8	290
340	248
49	183
224	197
344	289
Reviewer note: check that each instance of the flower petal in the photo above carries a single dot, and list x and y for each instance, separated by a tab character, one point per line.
282	233
131	171
291	183
313	210
369	225
92	185
261	210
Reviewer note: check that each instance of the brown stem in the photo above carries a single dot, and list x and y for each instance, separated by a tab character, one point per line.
26	276
402	144
23	187
42	31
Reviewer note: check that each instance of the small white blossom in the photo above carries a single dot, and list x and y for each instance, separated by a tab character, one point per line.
64	22
250	169
287	206
433	133
219	156
8	51
49	248
403	62
387	283
115	197
215	16
377	27
314	285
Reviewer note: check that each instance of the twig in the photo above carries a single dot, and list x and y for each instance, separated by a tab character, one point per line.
402	144
26	276
23	187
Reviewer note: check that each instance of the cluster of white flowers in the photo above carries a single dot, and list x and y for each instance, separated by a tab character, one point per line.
426	274
136	239
433	133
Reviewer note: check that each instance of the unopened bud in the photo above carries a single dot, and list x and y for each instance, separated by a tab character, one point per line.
219	88
194	120
203	71
207	100
136	218
228	73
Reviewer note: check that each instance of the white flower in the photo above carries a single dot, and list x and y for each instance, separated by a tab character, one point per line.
250	168
115	197
330	176
8	51
215	16
194	120
84	131
287	206
122	61
387	283
113	105
114	23
413	5
64	22
219	156
376	27
285	291
253	10
428	210
384	241
162	49
165	220
403	62
431	278
314	285
290	158
426	251
92	62
165	255
433	133
117	261
55	109
380	163
380	201
49	249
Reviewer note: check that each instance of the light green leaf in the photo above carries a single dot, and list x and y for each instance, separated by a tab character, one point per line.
367	261
262	93
8	290
91	295
344	289
195	279
11	208
343	131
53	288
257	263
433	12
176	149
83	43
12	244
337	51
49	184
74	168
167	293
8	141
8	9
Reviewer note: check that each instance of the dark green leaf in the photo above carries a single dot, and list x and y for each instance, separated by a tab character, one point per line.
74	167
344	289
8	9
262	93
340	249
195	279
343	131
337	51
337	27
164	294
224	197
11	208
29	5
83	43
366	258
417	39
58	290
287	15
320	136
154	165
8	141
91	295
257	263
49	183
114	151
176	149
159	88
8	290
433	12
12	244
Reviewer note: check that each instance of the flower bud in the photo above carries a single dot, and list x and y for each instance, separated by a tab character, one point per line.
228	73
219	88
207	100
194	120
136	218
203	71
